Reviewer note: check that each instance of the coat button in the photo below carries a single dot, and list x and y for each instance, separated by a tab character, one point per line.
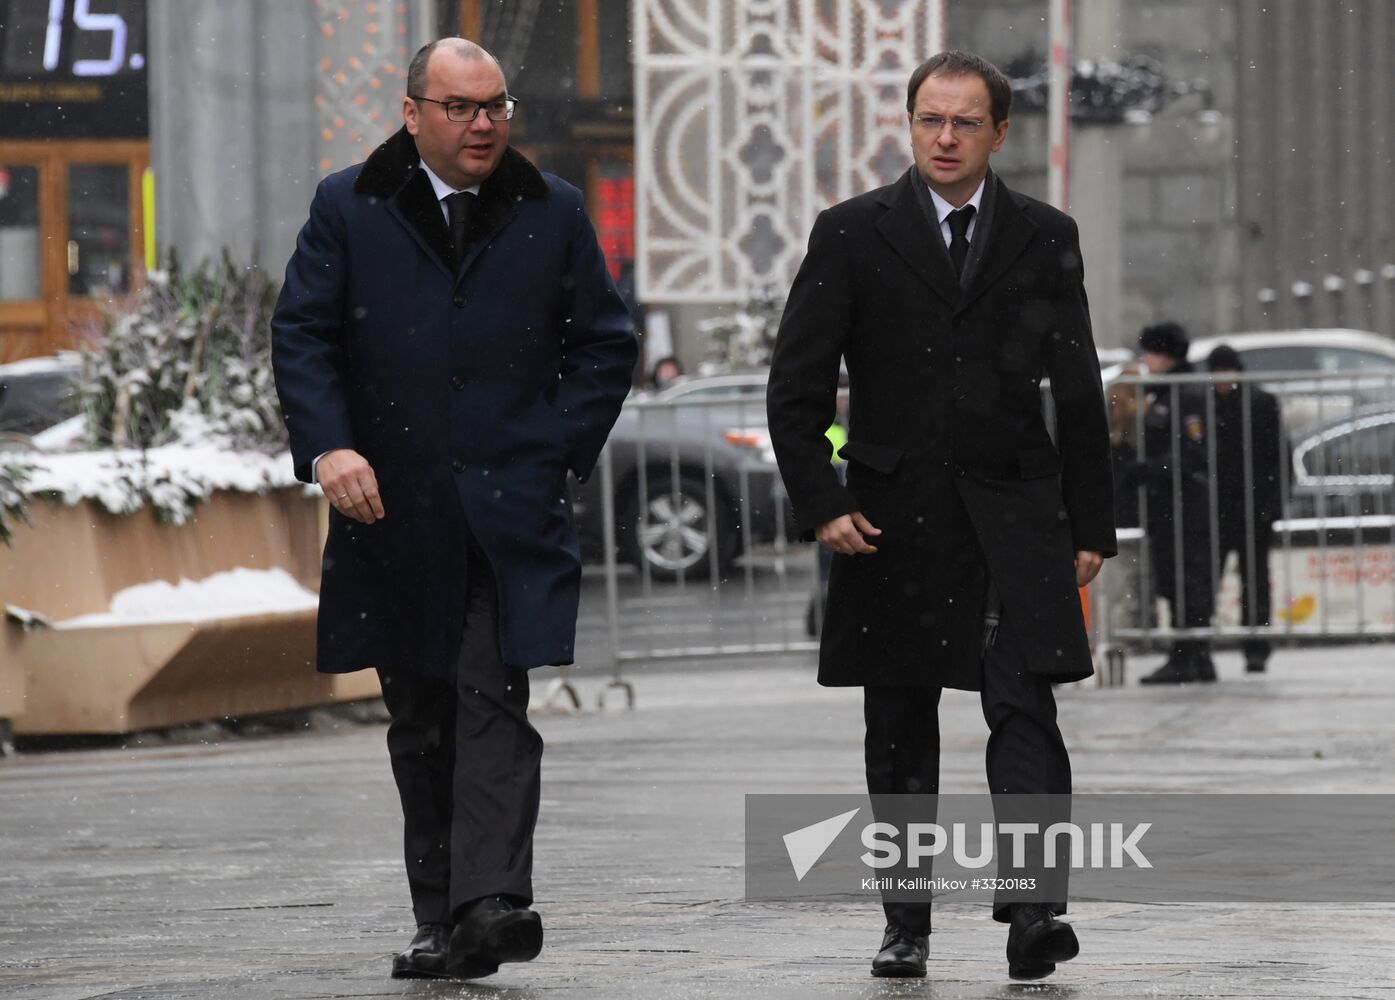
458	464
960	392
959	470
459	301
457	383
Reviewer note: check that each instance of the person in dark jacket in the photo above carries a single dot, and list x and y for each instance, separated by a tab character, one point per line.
1250	452
1173	469
447	345
963	531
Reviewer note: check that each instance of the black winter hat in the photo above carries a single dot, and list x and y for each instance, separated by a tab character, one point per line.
1225	359
1165	338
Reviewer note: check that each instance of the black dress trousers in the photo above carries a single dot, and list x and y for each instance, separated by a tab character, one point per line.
1026	755
467	763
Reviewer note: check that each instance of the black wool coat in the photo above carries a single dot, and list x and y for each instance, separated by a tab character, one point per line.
948	452
471	388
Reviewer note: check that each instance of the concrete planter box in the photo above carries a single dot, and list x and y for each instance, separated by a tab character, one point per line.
120	676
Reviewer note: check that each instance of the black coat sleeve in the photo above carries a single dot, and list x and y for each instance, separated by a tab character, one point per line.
803	393
307	337
599	350
1082	424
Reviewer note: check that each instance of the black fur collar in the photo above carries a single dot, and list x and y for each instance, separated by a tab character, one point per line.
391	172
394	162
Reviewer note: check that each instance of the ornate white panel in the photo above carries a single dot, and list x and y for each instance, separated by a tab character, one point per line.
754	115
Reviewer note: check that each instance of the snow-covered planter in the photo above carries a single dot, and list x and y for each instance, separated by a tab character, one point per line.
169	571
177	398
121	622
169	481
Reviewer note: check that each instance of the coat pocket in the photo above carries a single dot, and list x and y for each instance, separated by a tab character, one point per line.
1038	463
877	457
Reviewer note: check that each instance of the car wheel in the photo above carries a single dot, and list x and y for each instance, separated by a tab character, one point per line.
674	535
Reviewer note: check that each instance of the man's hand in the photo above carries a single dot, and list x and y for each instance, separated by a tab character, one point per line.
348	481
844	534
1087	566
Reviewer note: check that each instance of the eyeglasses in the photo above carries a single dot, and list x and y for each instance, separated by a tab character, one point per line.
936	124
466	111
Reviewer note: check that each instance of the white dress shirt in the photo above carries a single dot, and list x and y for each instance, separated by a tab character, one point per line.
444	190
943	208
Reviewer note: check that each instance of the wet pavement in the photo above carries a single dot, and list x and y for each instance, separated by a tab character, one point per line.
269	867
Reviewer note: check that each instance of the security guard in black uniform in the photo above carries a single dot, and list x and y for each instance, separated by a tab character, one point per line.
1173	468
1251	449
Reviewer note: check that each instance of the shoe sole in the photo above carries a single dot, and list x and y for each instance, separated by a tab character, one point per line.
1027	973
899	972
418	974
470	969
402	969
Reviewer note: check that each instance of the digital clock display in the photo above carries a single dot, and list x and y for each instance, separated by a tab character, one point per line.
73	69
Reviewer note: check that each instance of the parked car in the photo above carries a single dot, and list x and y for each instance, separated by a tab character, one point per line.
1346	467
35	395
694	478
1368	358
1319	350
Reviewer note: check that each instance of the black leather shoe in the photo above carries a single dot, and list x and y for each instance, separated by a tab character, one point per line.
1177	670
902	955
1037	941
425	957
490	932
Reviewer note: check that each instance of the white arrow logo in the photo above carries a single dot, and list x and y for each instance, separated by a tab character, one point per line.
806	845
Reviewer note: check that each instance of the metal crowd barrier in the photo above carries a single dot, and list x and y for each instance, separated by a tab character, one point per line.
678	472
1331	557
696	537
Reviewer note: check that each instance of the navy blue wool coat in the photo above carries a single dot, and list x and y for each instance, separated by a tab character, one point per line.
470	389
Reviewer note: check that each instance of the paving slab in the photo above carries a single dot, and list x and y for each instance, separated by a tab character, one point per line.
269	867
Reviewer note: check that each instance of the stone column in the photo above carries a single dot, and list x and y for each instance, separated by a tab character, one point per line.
253	103
1097	184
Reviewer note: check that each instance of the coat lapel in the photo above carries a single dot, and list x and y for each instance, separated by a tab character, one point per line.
905	228
1010	231
501	199
417	207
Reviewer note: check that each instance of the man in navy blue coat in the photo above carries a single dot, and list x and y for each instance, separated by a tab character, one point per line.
447	345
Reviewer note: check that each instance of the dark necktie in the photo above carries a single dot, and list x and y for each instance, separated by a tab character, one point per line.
460	206
959	237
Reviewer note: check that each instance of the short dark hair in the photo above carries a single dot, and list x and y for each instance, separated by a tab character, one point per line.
1167	337
956	63
1225	358
416	70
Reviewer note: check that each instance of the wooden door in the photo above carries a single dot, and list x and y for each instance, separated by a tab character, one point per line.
72	238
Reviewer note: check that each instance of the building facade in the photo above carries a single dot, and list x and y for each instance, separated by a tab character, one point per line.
1230	162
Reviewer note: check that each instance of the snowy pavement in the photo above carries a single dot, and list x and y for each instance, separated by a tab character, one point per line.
269	867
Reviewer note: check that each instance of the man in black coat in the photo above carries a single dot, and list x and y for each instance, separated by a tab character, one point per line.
1174	469
1250	451
447	345
951	297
